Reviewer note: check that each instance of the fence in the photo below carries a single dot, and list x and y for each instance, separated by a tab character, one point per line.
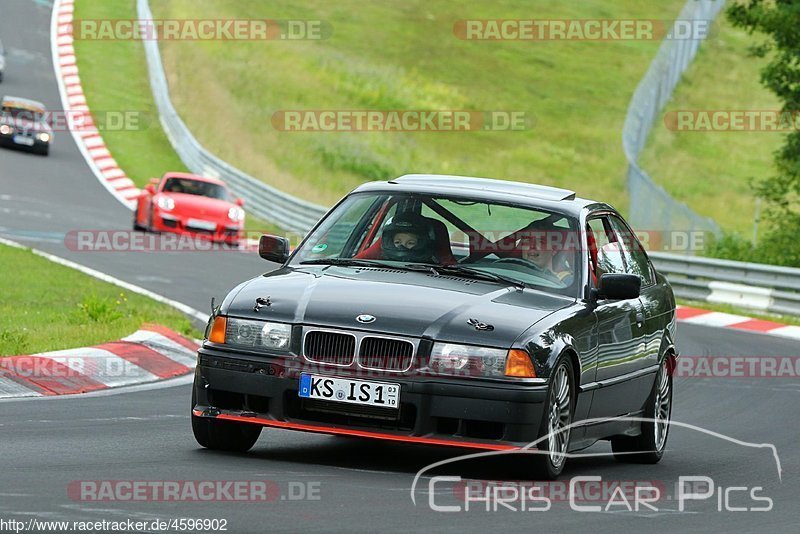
650	205
748	285
268	203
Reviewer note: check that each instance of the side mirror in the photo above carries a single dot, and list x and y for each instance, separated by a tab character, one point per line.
273	248
150	189
616	286
240	202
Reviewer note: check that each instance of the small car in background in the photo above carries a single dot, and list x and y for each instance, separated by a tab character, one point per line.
23	125
190	204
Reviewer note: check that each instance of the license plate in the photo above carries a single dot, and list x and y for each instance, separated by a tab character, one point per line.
203	225
362	392
20	140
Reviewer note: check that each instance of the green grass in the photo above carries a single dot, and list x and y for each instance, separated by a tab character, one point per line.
404	55
711	171
46	307
114	78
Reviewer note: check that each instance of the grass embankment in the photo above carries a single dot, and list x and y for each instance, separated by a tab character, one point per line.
394	56
114	78
711	171
46	306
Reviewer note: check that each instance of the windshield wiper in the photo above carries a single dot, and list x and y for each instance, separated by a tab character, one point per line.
353	262
469	272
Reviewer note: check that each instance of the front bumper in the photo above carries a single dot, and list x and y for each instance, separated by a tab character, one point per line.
230	233
433	410
38	146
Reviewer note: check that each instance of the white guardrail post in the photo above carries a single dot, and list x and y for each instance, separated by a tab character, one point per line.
288	212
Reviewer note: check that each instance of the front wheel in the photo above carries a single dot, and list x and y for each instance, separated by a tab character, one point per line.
556	422
223	435
648	447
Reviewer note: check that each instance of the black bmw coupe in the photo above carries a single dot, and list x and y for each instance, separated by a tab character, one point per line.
454	311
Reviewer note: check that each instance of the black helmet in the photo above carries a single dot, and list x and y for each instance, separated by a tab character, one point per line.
422	252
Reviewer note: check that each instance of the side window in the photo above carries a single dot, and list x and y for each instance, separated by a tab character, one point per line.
609	253
633	252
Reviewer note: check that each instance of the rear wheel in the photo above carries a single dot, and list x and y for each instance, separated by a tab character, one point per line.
223	435
648	447
556	422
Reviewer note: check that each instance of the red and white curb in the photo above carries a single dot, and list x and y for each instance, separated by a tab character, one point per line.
698	316
87	138
151	354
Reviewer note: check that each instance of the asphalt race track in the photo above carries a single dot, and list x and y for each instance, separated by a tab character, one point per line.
328	483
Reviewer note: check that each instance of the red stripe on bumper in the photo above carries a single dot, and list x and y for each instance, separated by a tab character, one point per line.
363	433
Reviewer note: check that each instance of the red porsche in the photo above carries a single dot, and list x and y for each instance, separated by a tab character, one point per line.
190	204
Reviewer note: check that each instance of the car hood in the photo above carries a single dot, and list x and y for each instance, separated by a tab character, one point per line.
402	302
199	206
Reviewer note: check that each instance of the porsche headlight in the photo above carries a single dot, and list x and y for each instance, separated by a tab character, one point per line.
44	137
166	203
5	129
466	360
236	214
257	334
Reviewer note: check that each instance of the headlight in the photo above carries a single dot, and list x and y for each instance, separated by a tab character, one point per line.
252	334
5	129
236	214
44	137
465	360
166	203
469	361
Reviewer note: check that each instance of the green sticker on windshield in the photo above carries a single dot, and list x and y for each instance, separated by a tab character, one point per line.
320	247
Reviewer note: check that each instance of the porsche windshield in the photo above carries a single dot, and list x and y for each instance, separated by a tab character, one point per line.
196	187
450	235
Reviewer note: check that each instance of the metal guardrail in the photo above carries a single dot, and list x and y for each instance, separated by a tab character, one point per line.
651	207
288	212
748	285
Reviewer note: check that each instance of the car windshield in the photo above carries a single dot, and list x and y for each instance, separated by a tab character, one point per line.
450	235
196	187
22	113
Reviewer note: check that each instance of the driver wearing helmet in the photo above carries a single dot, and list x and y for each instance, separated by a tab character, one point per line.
408	238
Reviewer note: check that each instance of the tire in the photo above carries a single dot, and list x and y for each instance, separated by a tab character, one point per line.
223	435
649	446
44	151
558	413
136	225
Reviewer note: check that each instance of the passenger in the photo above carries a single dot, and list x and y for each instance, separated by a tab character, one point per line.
540	246
408	238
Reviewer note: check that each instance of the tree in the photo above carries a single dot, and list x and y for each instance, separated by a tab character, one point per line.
779	20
